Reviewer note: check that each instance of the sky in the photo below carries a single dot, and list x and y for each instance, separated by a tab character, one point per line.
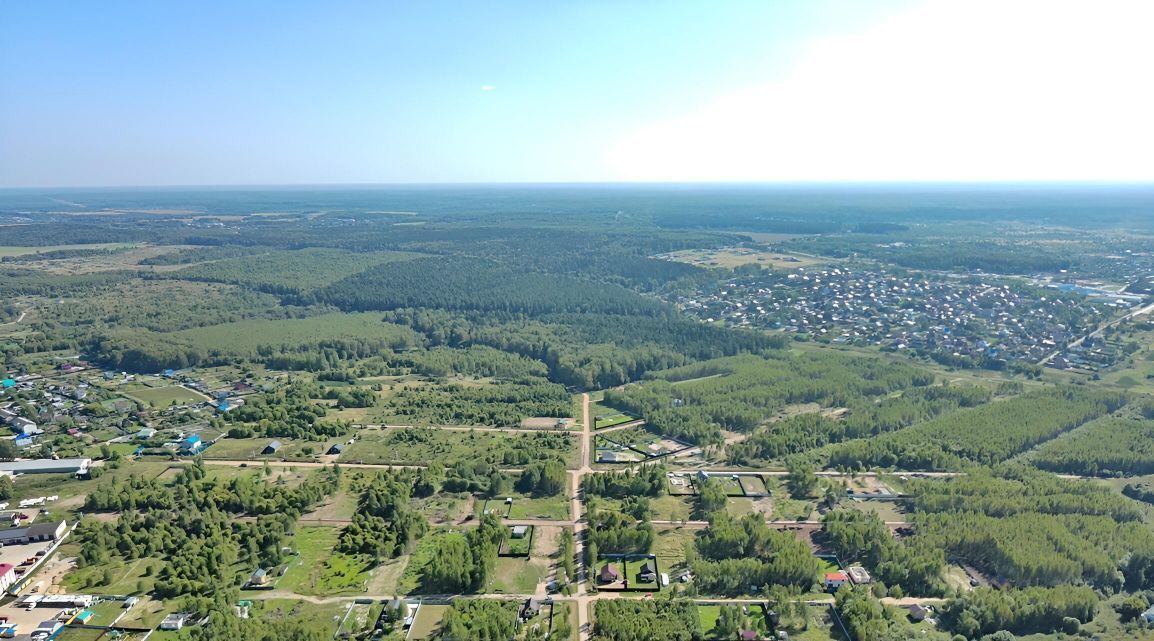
219	92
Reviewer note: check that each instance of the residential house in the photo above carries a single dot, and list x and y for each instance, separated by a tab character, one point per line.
834	580
519	531
531	609
648	573
609	457
609	574
260	578
919	612
173	621
191	445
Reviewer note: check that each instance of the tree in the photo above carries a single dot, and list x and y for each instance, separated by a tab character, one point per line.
800	478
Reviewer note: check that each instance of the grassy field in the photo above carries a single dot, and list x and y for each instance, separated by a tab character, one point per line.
244	337
321	571
669	548
403	446
284	268
252	448
735	257
166	396
516	576
9	250
670	508
550	507
427	621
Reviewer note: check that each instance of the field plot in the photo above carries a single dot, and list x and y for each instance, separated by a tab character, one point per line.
166	396
260	448
737	256
321	571
755	614
9	250
549	507
516	576
299	270
418	446
245	337
670	549
427	621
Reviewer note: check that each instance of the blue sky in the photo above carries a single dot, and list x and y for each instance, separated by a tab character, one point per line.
208	92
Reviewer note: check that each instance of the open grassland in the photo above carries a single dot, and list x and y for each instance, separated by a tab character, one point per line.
321	571
290	271
736	257
418	446
166	396
245	337
9	250
427	621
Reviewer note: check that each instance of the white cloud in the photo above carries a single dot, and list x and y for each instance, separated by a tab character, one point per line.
488	88
950	90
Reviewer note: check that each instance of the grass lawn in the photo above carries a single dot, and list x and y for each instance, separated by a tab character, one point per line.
633	571
550	507
787	509
311	616
669	548
319	570
12	250
708	615
147	614
161	397
887	510
126	577
427	621
670	508
516	576
520	546
753	484
737	506
820	626
105	612
418	446
79	634
253	448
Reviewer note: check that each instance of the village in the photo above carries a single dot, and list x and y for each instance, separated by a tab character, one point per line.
971	320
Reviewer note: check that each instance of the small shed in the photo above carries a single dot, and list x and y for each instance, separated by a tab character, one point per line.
272	448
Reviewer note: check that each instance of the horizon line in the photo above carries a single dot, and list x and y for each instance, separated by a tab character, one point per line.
607	183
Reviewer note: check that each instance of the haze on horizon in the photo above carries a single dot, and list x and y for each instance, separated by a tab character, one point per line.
263	92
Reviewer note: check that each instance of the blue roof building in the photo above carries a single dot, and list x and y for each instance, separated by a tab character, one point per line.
191	444
7	383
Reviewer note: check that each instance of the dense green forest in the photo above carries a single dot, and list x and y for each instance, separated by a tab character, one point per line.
742	393
1105	447
989	434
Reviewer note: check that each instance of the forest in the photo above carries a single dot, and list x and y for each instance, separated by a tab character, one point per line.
742	393
988	435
